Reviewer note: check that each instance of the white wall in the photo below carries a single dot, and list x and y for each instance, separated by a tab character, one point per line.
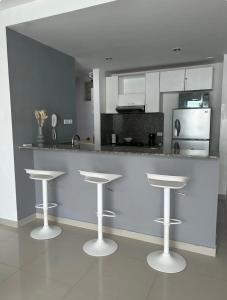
8	208
223	133
27	12
215	101
99	103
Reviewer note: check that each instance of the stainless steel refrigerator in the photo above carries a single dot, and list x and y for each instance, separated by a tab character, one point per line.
191	131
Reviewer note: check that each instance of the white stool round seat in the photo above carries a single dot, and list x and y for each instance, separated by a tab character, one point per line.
100	246
167	181
167	261
46	231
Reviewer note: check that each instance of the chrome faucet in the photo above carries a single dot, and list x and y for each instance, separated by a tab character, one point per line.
75	140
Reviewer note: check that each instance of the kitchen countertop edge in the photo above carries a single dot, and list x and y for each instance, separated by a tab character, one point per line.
116	152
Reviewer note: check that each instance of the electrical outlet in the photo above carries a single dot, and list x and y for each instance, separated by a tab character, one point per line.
159	133
68	121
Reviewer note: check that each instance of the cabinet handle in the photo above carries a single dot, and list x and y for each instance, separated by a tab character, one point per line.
185	83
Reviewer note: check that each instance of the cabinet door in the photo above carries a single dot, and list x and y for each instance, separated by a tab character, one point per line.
199	79
152	92
111	94
172	81
132	84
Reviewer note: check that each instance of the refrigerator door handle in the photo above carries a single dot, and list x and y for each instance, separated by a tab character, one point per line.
177	127
176	148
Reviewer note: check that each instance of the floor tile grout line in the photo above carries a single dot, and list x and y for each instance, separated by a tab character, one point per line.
79	280
9	277
8	265
212	277
31	261
45	277
22	268
152	285
96	263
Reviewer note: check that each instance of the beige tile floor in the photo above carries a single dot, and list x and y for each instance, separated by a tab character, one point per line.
58	269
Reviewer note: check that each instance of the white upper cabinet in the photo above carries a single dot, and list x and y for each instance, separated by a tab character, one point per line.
152	103
131	90
111	94
199	79
172	81
189	79
145	88
132	84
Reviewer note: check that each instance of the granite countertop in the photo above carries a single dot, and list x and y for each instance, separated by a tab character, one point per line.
143	151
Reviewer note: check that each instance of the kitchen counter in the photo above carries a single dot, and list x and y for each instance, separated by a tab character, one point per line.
145	151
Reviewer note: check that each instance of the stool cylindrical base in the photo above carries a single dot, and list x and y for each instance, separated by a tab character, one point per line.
96	247
45	232
166	263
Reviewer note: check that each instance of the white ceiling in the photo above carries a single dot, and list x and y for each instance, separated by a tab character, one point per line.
137	33
4	4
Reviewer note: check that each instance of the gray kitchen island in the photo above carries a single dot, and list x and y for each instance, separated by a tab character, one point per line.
135	202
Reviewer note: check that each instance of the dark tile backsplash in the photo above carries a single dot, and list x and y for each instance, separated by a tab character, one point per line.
138	126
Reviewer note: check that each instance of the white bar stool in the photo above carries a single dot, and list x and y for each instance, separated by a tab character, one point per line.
167	261
100	246
46	231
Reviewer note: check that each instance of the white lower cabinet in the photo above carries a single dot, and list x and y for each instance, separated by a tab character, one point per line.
152	103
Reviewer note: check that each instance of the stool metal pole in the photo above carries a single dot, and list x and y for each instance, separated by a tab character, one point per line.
100	210
45	203
45	231
165	260
100	246
166	219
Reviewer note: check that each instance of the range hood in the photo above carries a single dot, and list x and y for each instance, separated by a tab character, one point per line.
130	109
131	103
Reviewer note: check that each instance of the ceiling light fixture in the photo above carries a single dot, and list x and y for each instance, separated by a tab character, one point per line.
177	49
210	57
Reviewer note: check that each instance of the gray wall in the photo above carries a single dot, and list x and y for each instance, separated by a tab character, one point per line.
40	78
135	202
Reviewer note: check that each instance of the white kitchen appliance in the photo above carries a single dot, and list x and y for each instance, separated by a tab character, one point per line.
131	103
191	130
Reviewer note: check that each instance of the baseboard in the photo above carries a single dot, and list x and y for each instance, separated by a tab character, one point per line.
21	222
27	220
133	235
9	223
